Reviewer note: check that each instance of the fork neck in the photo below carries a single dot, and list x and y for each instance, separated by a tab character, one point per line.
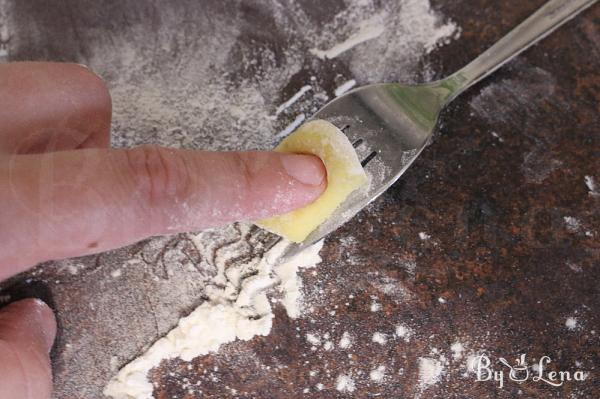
541	23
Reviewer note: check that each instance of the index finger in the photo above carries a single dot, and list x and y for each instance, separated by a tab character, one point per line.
72	203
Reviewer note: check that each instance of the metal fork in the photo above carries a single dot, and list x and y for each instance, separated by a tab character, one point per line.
390	124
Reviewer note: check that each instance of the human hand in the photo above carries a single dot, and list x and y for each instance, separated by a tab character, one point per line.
27	330
65	192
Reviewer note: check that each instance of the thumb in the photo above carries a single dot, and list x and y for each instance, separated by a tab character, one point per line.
27	331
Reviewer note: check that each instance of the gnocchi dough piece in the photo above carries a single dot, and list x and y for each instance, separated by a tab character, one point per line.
344	175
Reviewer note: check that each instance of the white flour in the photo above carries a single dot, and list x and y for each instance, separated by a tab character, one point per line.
430	371
377	374
457	349
404	332
393	287
573	224
375	306
200	103
291	127
238	308
290	285
345	87
313	339
367	30
591	185
379	338
571	323
346	340
292	99
411	27
345	383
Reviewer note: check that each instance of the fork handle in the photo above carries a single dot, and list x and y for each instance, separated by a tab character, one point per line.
541	23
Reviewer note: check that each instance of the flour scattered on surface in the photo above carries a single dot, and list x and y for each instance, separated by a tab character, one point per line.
290	283
313	339
497	136
523	92
345	383
378	374
291	127
367	30
571	323
345	87
116	273
400	21
457	349
375	306
114	364
391	286
592	186
410	265
573	224
346	340
379	338
238	308
430	371
404	332
72	267
575	267
292	99
424	236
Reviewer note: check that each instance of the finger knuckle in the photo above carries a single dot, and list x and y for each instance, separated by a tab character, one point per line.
160	174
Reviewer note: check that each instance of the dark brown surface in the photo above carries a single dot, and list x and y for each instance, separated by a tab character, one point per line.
500	254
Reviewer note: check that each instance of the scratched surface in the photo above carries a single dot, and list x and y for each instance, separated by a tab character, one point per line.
508	262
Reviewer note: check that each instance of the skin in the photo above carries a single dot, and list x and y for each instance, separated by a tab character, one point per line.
65	192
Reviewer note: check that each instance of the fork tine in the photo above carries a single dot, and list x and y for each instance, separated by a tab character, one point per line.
368	158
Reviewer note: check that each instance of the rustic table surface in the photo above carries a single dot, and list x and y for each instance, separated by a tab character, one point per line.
489	244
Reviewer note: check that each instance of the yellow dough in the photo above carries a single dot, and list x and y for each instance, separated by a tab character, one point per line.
344	175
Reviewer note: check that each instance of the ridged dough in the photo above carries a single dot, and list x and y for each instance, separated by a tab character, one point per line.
344	175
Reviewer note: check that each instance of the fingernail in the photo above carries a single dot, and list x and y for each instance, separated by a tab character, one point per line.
307	169
46	322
